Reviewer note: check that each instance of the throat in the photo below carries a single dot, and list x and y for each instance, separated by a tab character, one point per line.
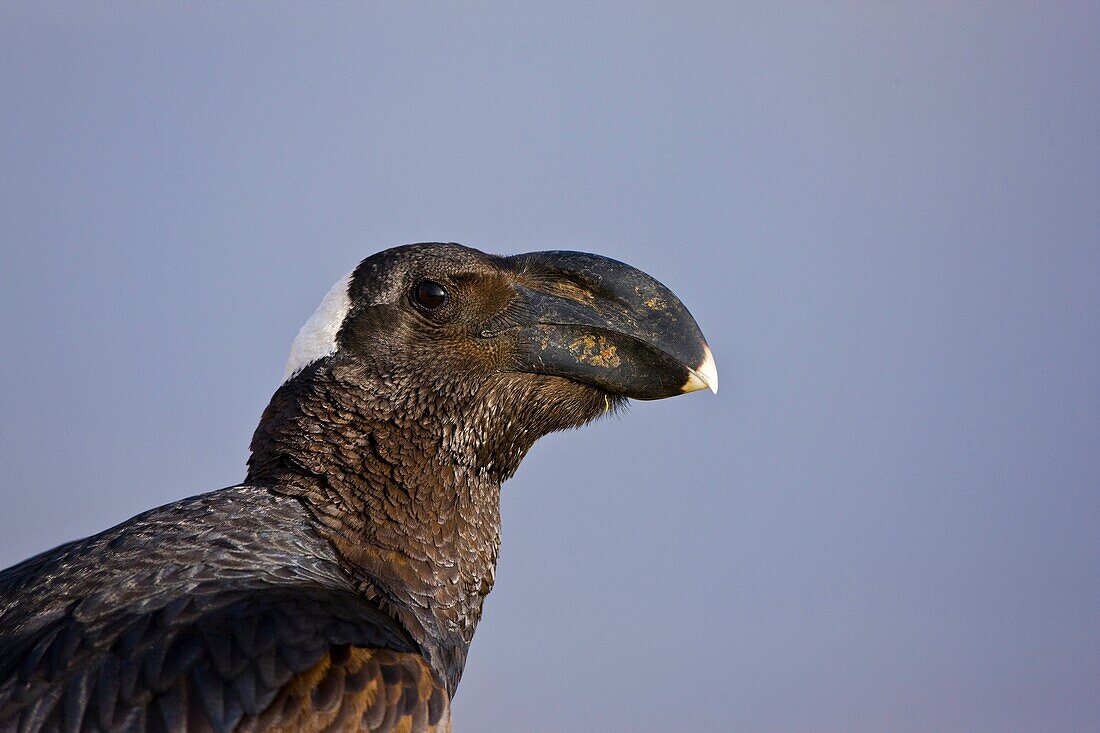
426	553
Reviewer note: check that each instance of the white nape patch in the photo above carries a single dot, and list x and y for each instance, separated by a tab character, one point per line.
317	338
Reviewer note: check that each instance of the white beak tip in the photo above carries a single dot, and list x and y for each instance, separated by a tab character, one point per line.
704	376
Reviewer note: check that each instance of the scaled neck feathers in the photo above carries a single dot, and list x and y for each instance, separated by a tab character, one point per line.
403	476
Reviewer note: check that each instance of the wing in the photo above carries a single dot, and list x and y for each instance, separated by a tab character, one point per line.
358	689
273	660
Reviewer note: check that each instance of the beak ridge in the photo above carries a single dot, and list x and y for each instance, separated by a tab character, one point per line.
605	323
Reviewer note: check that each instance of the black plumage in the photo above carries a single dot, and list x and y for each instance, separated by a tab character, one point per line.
339	587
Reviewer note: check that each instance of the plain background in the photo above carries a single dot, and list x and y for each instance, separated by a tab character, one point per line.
885	216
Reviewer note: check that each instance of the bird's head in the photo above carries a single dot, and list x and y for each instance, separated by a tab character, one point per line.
501	349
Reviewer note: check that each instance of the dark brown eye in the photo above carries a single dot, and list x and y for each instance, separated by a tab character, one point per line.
429	294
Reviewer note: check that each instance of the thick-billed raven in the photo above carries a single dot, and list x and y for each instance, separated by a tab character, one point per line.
338	587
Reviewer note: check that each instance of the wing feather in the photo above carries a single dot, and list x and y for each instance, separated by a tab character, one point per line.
277	660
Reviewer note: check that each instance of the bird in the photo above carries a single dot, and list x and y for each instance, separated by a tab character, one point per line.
338	587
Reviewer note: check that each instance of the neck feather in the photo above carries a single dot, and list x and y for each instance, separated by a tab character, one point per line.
410	503
403	476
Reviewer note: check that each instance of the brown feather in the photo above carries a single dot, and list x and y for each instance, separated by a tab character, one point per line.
358	689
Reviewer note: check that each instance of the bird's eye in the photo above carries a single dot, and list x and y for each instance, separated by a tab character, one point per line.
429	294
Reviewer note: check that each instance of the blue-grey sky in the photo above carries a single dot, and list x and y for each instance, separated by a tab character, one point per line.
885	217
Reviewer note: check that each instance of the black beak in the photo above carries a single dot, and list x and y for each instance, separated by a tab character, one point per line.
599	321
